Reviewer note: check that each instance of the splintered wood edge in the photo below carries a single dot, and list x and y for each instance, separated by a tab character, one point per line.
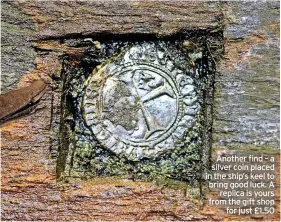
15	100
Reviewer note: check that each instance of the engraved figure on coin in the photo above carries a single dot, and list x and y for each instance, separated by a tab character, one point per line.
139	108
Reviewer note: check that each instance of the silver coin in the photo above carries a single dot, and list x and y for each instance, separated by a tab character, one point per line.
139	107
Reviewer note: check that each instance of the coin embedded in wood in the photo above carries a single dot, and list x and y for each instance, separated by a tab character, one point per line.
140	105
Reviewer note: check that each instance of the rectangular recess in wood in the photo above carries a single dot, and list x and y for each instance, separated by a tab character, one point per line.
138	106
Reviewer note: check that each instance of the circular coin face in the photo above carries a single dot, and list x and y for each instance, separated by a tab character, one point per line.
139	109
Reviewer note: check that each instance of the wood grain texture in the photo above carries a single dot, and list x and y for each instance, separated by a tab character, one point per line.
16	100
247	102
62	19
246	108
17	55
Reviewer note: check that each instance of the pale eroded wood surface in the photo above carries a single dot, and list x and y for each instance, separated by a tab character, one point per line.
246	101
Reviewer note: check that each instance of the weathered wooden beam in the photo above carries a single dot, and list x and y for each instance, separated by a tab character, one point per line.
16	101
246	108
60	19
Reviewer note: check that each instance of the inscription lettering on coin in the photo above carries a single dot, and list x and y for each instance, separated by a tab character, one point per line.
139	108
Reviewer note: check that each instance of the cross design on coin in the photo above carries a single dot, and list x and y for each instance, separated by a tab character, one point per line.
159	89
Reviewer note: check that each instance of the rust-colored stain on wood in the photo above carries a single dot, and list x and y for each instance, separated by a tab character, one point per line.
15	100
29	190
